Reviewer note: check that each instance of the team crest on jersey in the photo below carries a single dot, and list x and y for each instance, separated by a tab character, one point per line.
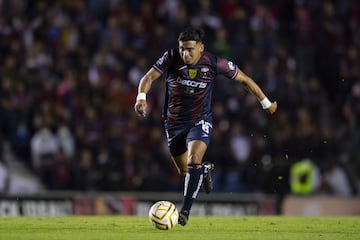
192	73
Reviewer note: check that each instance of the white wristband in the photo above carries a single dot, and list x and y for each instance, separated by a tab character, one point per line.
265	103
141	96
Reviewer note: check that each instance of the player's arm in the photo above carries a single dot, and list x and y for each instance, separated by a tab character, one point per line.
251	85
143	88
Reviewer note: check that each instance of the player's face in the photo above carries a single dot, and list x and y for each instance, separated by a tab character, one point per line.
190	51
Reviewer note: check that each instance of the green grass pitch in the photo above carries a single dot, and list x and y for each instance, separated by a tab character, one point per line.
204	227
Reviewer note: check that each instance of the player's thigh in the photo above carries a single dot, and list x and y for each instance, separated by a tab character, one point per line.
198	139
176	137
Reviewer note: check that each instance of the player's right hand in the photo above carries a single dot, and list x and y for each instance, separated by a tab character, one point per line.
140	108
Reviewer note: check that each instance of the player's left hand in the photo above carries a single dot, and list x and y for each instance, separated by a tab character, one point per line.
140	108
272	108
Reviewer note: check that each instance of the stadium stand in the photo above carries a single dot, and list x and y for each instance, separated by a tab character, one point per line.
69	70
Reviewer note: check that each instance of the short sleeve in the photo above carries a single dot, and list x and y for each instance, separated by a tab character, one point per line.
163	63
227	68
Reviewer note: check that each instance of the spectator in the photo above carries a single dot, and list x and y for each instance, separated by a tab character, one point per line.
66	141
335	180
304	177
44	147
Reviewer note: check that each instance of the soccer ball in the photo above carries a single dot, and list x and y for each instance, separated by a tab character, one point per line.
163	215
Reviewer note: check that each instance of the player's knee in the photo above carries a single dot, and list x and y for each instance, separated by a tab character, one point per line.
194	158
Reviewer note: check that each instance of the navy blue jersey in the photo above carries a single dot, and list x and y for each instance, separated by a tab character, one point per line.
189	88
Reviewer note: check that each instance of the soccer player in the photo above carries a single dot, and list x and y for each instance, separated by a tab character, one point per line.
190	75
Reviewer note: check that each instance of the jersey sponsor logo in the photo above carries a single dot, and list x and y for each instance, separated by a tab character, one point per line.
191	83
192	73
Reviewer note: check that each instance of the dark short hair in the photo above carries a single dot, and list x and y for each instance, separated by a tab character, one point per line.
192	34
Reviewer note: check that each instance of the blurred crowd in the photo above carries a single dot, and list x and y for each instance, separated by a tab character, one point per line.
69	72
